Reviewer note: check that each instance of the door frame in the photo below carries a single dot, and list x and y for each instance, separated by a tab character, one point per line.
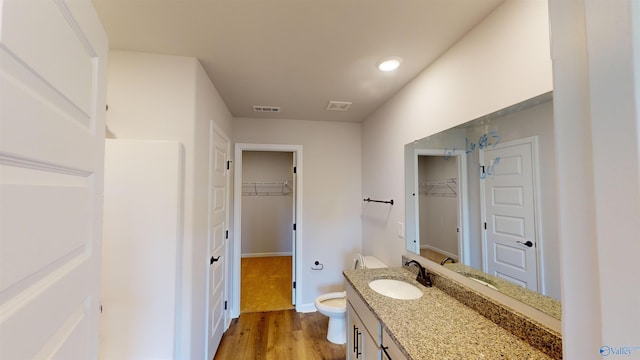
237	216
535	174
463	202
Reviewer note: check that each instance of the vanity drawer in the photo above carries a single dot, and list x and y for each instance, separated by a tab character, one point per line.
369	320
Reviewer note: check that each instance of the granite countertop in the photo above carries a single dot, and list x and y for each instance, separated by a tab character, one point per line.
437	326
547	305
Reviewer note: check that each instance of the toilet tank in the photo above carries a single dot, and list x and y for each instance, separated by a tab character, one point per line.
372	262
368	262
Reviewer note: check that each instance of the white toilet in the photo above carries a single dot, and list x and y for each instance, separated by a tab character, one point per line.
334	305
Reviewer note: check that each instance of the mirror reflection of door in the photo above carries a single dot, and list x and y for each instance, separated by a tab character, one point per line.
510	212
438	207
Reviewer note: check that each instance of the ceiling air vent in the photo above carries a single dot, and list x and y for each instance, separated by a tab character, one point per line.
267	109
338	106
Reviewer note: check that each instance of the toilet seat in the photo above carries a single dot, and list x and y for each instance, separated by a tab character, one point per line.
335	302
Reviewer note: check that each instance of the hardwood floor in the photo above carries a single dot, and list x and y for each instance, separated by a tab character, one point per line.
432	255
279	335
265	284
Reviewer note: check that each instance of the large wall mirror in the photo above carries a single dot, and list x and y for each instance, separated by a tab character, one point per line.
481	200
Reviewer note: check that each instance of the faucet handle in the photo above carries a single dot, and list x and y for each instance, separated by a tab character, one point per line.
424	278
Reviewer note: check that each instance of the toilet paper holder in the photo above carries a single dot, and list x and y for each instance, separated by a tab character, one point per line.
317	266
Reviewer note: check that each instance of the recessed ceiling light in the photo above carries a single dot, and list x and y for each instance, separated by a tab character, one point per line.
389	63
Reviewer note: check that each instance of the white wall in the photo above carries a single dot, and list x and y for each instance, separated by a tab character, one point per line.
267	220
472	79
162	97
596	46
332	198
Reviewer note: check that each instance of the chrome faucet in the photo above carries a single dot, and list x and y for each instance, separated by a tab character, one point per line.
424	277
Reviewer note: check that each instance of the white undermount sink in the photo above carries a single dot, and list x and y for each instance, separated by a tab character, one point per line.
396	289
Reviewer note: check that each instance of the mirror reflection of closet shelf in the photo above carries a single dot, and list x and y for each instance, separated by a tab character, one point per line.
282	188
445	188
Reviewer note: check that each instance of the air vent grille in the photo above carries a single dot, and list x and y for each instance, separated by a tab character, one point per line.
268	109
338	105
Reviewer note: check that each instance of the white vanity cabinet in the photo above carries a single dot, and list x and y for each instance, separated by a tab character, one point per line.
363	329
361	345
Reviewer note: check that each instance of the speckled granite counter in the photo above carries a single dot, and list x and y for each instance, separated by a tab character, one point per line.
437	326
543	303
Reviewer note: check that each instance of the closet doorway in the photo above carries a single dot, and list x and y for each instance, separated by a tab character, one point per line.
267	188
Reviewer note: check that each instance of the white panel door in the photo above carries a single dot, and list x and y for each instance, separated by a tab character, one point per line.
293	231
52	103
218	207
141	266
510	212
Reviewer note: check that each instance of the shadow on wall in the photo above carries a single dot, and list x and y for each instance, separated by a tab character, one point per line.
108	134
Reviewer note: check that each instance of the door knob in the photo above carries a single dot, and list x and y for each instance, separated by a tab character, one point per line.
527	244
213	260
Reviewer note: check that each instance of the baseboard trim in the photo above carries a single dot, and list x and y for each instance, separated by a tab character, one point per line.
266	254
306	308
429	247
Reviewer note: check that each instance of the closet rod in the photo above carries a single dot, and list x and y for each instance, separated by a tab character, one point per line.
379	201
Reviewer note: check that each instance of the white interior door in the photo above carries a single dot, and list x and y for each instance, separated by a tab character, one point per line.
52	94
218	234
140	254
293	232
509	212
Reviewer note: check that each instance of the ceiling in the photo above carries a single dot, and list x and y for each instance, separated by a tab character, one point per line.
296	54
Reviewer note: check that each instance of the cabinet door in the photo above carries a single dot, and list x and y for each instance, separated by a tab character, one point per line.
360	345
370	349
390	351
354	328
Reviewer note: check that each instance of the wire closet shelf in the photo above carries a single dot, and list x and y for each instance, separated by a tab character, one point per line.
282	188
444	188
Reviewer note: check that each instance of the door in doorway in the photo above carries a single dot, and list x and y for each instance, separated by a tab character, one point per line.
268	220
509	212
437	224
218	234
439	205
52	92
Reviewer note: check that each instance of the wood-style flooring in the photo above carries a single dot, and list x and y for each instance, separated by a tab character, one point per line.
433	255
279	335
265	284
